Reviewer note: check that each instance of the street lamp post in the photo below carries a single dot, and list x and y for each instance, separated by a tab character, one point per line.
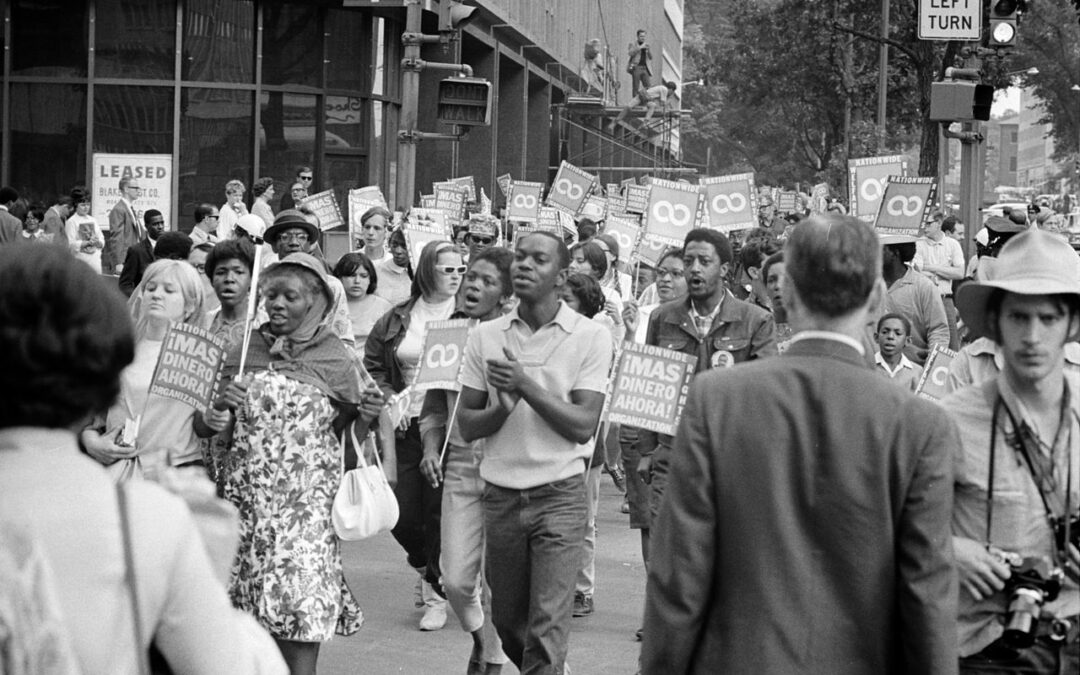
1076	167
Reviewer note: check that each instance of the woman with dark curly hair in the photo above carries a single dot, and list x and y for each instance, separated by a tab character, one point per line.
65	337
358	277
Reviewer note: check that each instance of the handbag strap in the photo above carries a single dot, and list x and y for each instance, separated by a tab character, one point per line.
129	579
361	461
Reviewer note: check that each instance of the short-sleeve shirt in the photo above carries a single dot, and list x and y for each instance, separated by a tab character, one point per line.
944	253
569	353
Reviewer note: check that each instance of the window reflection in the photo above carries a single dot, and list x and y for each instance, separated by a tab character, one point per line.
379	57
133	119
48	38
347	43
48	139
219	41
344	122
135	39
292	45
287	137
215	146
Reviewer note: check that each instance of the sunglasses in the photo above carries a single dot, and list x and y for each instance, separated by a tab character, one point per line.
484	241
307	177
459	269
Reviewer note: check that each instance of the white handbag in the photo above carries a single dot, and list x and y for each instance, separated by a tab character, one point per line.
365	504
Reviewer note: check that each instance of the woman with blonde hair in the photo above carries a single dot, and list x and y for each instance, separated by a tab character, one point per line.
144	433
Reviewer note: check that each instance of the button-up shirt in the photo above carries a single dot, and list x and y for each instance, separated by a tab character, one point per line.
943	253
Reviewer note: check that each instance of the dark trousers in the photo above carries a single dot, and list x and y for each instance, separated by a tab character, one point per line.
640	78
420	504
1043	658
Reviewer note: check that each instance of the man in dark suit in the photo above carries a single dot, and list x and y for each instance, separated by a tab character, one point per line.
806	527
139	256
124	229
10	226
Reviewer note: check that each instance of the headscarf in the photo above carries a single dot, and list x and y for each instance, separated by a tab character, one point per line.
312	353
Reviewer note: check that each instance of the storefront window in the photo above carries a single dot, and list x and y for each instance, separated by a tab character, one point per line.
292	45
347	45
344	173
287	137
219	41
344	122
215	146
133	119
48	139
48	38
136	39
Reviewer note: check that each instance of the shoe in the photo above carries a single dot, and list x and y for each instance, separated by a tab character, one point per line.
617	476
434	609
583	605
625	508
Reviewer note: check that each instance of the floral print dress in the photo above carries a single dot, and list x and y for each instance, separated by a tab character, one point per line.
285	471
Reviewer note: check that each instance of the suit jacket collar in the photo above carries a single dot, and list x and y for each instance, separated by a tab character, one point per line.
833	349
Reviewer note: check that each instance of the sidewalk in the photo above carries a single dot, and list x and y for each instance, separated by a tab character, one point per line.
390	642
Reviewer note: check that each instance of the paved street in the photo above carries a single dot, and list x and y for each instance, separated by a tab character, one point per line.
389	642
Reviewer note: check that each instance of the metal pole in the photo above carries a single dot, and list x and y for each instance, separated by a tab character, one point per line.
971	181
410	103
883	73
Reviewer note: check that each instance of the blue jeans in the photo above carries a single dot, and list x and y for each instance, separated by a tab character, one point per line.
535	539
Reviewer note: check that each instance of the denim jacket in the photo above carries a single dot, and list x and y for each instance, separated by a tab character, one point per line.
740	332
380	350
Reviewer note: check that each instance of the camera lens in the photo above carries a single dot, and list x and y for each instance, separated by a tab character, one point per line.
1023	617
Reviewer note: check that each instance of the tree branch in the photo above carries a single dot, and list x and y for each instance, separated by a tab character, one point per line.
900	46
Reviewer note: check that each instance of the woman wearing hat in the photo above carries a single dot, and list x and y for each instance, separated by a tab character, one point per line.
301	389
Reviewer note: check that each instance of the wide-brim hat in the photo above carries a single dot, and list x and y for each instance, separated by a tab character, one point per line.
889	239
252	224
287	220
1031	263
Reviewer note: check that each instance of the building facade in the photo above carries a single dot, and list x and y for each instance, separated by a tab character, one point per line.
199	92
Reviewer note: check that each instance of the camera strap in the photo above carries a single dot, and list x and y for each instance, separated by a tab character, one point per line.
1026	443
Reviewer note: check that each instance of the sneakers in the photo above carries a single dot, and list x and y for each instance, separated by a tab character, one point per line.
434	609
617	476
583	605
625	508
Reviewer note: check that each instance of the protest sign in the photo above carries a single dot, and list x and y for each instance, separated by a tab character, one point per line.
788	202
450	197
649	387
188	366
153	173
615	203
612	189
421	227
469	184
819	198
441	354
637	198
905	205
626	233
427	201
594	208
649	250
549	220
360	201
504	182
523	201
325	206
570	189
933	384
730	202
671	211
867	177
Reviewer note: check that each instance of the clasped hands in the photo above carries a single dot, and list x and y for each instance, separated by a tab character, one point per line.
508	377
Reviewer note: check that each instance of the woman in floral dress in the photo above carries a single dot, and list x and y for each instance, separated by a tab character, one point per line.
300	390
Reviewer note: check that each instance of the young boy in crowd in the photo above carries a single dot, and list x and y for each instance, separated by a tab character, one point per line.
892	334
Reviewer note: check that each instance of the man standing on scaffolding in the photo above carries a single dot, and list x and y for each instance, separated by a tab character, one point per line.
638	65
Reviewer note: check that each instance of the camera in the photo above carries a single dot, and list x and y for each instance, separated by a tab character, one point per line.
1073	531
1034	582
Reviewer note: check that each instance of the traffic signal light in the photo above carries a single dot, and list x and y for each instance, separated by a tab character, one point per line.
453	15
960	101
1004	17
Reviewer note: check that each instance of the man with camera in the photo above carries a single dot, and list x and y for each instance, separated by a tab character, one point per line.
1017	480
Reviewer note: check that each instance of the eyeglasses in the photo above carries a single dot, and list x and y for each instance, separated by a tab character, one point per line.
674	274
460	269
483	241
307	177
294	236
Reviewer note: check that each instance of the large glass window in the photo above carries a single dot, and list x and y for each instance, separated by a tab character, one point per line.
215	146
133	119
287	137
48	139
292	45
347	41
344	122
135	39
219	41
385	58
344	173
48	38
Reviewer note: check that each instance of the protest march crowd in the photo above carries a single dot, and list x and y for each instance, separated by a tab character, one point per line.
846	448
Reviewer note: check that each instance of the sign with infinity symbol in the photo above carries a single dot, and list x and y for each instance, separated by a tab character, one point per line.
594	208
671	210
866	182
523	201
626	233
904	205
934	383
649	250
730	201
441	354
570	188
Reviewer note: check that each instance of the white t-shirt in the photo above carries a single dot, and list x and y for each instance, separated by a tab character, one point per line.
409	349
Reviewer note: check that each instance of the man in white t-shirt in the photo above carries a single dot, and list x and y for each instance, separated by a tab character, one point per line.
941	260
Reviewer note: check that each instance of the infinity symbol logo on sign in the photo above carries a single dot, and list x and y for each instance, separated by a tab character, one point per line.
904	206
626	242
441	356
666	212
523	201
733	203
872	189
565	187
940	375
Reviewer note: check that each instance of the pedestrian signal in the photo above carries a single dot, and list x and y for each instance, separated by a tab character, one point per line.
465	101
960	101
